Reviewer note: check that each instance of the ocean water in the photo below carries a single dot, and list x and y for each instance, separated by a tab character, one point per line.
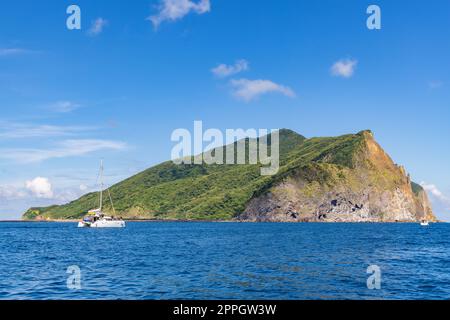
225	261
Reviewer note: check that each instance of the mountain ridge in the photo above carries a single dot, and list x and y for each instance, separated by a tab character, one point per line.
317	180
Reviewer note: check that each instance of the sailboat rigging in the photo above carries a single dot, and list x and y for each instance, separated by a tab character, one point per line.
96	218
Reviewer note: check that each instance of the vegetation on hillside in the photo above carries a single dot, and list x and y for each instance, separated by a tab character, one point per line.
215	192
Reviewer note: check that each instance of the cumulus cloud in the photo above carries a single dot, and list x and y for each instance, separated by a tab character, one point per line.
248	90
172	10
16	198
40	188
64	149
344	68
224	70
97	26
435	192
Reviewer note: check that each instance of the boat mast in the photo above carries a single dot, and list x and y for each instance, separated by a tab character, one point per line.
101	185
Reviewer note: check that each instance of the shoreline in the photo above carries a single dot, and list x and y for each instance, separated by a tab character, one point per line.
126	220
217	221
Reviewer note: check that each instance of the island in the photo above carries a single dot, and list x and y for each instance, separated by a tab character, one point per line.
348	178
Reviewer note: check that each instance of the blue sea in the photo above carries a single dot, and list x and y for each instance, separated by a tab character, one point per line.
224	261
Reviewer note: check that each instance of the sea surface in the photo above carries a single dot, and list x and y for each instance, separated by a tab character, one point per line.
224	261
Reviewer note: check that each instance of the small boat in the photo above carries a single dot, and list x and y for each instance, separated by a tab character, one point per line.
96	218
424	223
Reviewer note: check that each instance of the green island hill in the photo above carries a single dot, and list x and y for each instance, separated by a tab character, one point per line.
348	178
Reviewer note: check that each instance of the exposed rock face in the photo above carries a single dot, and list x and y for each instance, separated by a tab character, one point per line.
371	189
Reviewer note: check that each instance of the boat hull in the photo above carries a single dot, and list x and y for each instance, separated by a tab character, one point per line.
103	224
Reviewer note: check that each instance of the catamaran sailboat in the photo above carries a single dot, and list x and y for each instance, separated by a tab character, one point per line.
96	218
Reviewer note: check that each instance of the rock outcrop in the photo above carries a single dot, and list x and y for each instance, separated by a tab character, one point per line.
371	189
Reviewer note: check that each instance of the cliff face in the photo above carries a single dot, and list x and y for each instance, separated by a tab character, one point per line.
342	179
370	189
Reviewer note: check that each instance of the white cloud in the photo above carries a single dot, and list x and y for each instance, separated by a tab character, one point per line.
97	26
11	193
40	187
248	90
22	130
344	68
16	198
224	70
172	10
11	51
64	106
64	149
435	192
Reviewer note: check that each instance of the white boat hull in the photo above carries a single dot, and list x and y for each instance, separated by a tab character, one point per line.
102	224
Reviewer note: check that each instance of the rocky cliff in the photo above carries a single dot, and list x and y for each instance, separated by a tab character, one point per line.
371	188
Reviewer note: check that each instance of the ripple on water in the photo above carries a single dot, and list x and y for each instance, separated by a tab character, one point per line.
225	261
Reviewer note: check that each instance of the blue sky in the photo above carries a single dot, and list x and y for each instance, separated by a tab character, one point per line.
136	71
